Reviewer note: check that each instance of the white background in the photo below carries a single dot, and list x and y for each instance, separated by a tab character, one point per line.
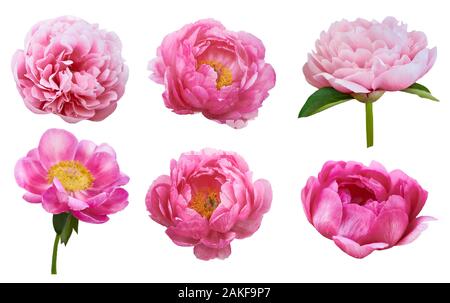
410	133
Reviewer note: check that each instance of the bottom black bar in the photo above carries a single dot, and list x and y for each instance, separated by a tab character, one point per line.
228	292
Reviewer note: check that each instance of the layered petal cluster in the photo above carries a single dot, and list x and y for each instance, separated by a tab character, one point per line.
363	209
365	56
70	68
209	200
209	69
80	178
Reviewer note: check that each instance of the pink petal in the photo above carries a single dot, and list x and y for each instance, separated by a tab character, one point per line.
31	176
75	204
205	253
188	233
327	213
104	168
217	240
157	201
54	201
403	76
105	148
342	85
56	145
115	202
248	225
32	198
87	217
355	250
311	187
84	151
389	227
356	222
263	197
414	230
103	113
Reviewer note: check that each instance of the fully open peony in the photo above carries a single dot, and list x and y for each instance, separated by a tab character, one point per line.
209	200
67	176
209	69
70	68
363	209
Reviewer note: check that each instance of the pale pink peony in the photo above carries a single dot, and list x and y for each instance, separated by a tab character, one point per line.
70	68
209	200
65	175
209	69
365	56
364	208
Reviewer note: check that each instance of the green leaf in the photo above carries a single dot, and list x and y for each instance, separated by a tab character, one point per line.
421	91
321	100
75	224
59	221
64	224
67	230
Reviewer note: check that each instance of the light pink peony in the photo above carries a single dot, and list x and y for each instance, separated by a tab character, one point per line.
209	200
65	175
364	208
70	68
363	56
209	69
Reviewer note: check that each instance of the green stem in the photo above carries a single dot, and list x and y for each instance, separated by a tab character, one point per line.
369	124
55	253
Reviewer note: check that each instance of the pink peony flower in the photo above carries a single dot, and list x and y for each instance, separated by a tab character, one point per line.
67	176
206	68
363	209
209	200
365	56
70	68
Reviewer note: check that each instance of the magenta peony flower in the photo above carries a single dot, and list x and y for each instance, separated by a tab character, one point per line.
362	60
363	209
72	180
70	68
206	68
209	200
365	56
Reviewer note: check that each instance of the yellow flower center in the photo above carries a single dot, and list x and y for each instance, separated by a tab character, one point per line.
73	175
205	202
224	75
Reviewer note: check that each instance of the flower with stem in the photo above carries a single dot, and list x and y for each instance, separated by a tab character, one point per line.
361	60
74	180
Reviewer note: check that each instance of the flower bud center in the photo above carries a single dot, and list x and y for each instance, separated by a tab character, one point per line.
205	202
224	75
73	175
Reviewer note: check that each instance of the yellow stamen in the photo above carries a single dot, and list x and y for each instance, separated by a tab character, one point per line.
224	75
73	175
205	202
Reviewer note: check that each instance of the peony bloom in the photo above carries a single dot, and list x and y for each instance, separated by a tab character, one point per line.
362	60
73	181
366	56
363	209
70	68
209	200
209	69
67	176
